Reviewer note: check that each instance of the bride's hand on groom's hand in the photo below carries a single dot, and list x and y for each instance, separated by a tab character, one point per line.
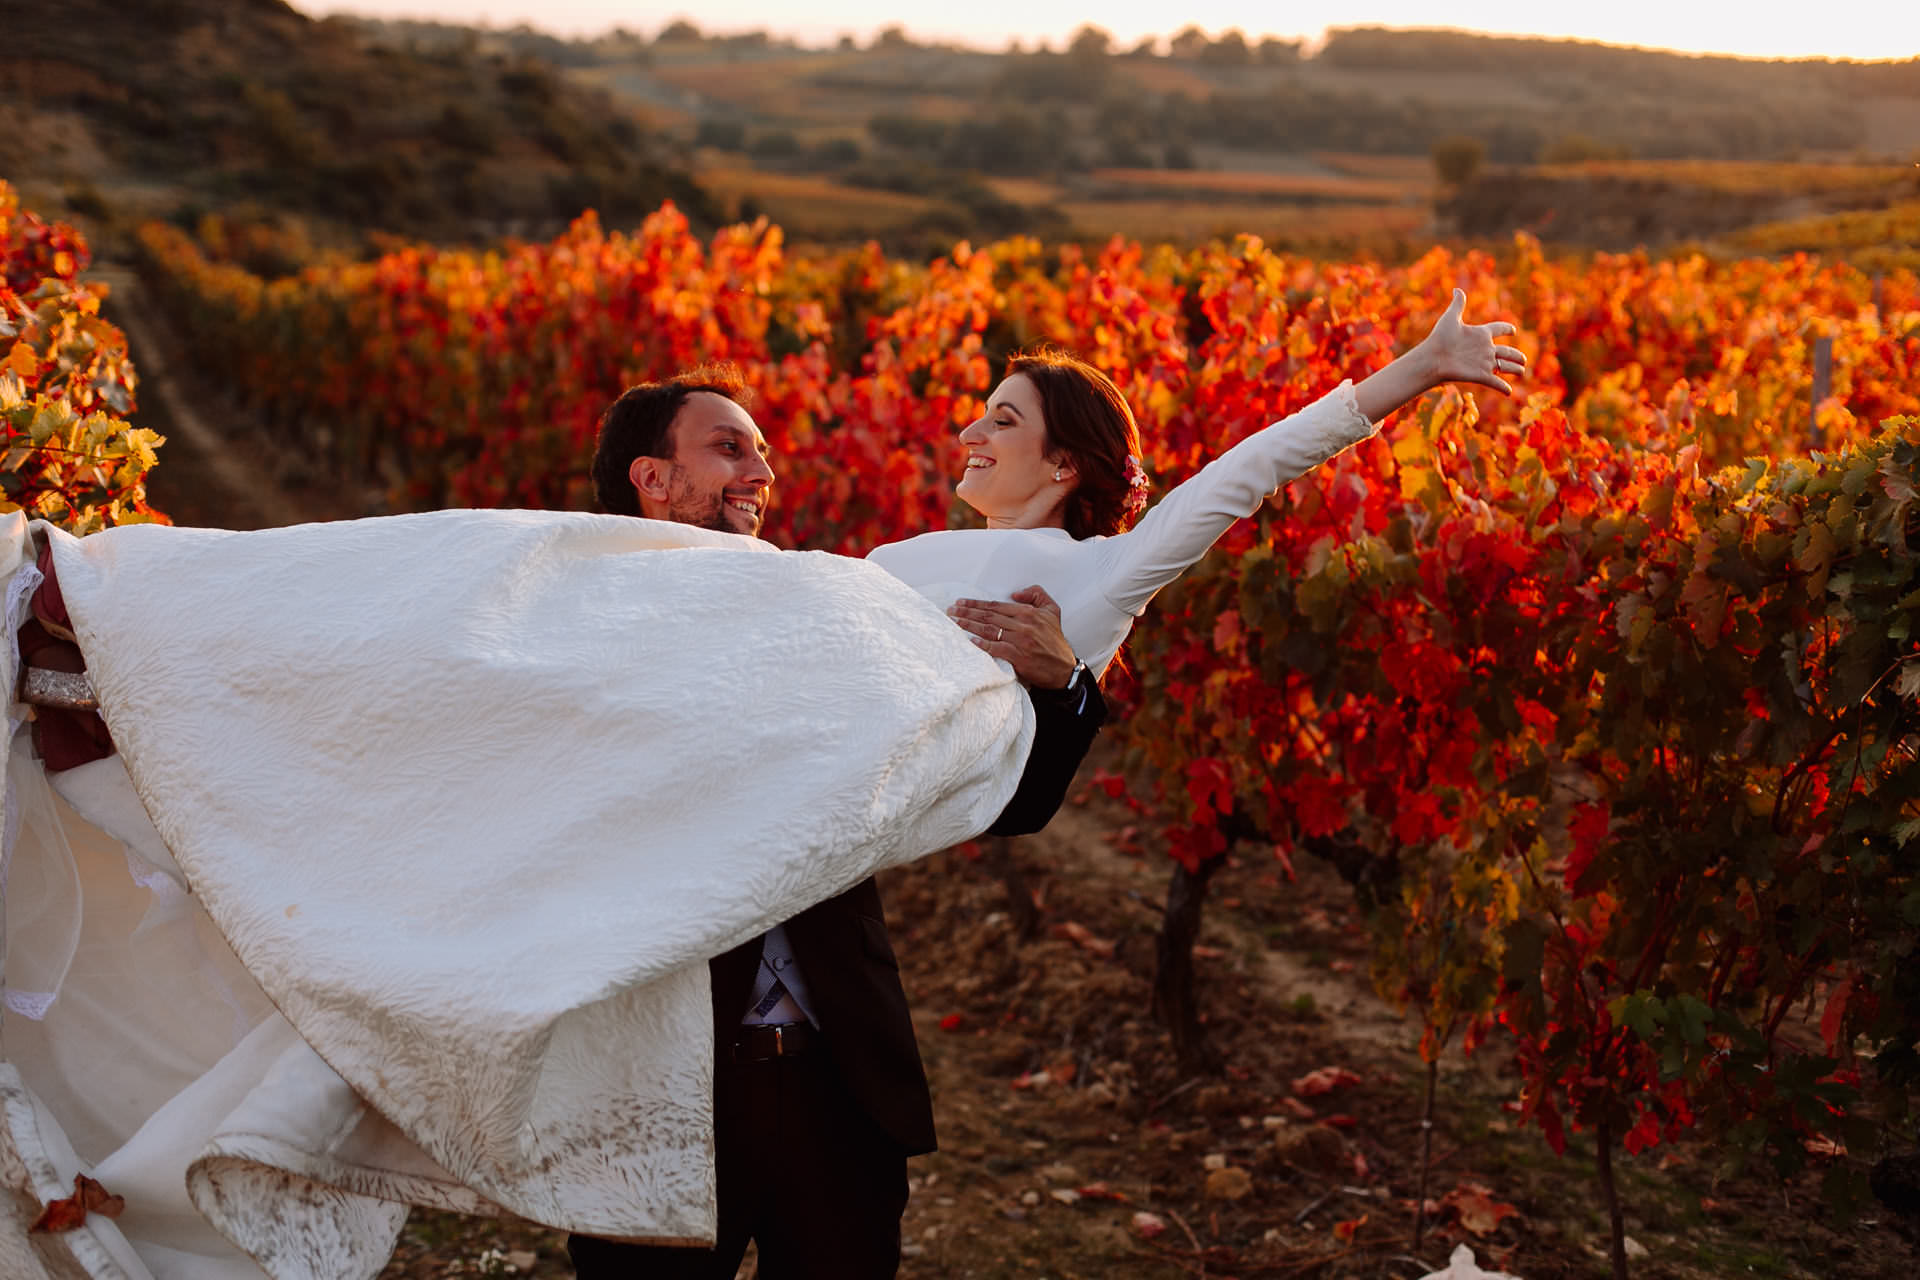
1462	352
1026	632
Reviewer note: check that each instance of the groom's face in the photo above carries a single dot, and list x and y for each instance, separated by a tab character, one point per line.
717	475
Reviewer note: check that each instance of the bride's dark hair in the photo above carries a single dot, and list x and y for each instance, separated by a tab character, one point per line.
1088	420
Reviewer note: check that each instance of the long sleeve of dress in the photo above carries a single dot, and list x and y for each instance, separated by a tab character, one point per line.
1180	528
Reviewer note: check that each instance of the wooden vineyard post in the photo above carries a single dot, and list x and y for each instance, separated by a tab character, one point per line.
1822	384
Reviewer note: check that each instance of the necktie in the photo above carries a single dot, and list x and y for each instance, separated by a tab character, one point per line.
775	993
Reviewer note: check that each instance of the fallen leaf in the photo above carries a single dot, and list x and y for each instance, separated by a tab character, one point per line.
1298	1109
1229	1184
1084	938
951	1022
1065	1195
1324	1080
1344	1231
69	1212
1823	1146
1101	1191
1479	1212
1208	953
1340	1121
1148	1225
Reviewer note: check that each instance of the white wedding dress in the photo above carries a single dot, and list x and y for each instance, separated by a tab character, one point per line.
465	801
420	831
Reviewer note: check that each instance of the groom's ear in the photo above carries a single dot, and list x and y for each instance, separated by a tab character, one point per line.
649	477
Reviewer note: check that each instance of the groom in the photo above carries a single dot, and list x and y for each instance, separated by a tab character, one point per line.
819	1093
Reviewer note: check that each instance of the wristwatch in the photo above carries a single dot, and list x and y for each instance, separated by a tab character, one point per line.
1073	677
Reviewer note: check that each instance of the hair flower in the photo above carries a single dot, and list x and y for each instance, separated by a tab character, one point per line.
1136	499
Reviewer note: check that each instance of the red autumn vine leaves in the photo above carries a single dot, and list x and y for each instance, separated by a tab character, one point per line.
1616	715
66	384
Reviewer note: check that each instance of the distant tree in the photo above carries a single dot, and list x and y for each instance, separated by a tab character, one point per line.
1149	47
893	37
1230	50
1189	42
1457	158
1125	153
847	44
1275	52
1177	155
1076	76
679	31
1090	44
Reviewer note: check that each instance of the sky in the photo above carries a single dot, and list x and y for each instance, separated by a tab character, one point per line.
1758	28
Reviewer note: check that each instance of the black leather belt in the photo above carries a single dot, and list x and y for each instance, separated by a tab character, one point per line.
761	1041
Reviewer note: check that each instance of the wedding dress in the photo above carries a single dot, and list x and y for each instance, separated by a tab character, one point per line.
464	802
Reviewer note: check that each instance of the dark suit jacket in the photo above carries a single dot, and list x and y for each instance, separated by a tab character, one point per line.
853	979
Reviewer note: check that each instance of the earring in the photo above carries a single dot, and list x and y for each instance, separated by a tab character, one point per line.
1056	473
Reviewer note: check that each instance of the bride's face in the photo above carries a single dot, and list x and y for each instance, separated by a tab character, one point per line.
1010	473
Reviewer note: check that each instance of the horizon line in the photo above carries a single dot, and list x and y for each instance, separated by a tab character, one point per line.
1311	45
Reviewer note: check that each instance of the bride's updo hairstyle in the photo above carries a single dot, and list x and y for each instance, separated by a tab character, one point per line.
1089	421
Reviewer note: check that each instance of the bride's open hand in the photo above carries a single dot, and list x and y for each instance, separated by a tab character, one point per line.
1462	352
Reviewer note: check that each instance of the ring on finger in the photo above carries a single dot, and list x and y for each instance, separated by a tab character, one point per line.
1001	634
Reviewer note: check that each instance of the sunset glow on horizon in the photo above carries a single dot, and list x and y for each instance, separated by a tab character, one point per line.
1760	30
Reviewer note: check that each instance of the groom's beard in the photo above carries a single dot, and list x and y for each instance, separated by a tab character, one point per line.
685	505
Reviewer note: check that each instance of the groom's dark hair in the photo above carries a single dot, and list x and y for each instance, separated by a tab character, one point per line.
638	425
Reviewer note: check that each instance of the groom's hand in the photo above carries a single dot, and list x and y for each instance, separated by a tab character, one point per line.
1026	632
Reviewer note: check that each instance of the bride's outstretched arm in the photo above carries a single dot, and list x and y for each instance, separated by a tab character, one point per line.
1180	528
1453	352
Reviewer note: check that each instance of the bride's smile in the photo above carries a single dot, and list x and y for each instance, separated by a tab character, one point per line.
1012	475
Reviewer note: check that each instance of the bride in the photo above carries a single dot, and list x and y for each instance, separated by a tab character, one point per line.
1054	466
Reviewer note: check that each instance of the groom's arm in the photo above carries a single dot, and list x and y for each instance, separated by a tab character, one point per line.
1064	725
1068	708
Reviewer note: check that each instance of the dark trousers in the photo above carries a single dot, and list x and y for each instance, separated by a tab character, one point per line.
802	1172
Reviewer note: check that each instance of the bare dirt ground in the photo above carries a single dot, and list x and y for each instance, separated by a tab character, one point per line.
1063	1115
